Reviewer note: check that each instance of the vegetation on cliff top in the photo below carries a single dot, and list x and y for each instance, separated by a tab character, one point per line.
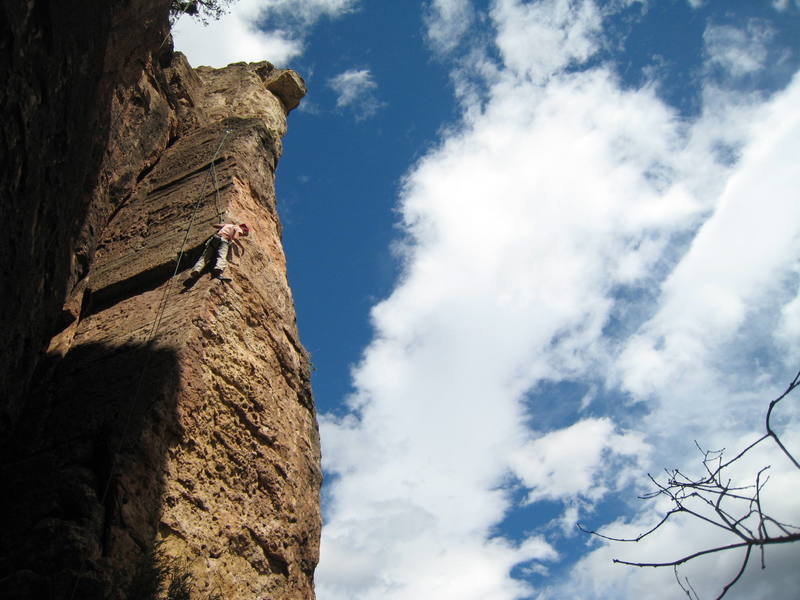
200	9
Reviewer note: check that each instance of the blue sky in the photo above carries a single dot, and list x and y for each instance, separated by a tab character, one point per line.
537	248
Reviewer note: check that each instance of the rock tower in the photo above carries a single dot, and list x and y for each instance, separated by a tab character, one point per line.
153	433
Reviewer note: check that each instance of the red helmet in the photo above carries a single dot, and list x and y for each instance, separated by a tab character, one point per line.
244	227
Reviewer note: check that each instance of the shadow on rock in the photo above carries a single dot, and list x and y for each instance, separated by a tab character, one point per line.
84	471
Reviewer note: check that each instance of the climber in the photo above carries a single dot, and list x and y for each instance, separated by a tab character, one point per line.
217	246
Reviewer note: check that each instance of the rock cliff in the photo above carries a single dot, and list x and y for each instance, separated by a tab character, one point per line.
155	431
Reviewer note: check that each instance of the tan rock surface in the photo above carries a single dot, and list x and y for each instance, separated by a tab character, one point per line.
173	417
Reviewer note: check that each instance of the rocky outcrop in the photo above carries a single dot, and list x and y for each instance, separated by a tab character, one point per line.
62	64
153	431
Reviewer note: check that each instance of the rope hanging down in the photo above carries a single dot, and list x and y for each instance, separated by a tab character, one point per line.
163	304
152	334
214	175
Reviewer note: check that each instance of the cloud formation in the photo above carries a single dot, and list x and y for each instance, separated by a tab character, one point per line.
447	21
574	230
255	30
782	5
355	90
737	51
554	467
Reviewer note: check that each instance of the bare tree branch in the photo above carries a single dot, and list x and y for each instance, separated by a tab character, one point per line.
772	405
637	538
737	509
688	590
756	542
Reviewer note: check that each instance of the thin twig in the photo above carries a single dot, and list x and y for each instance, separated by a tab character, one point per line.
738	575
688	591
770	431
639	537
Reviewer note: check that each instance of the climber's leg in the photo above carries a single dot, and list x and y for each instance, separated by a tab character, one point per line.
222	256
205	257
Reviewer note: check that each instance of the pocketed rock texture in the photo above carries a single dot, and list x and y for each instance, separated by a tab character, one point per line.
168	431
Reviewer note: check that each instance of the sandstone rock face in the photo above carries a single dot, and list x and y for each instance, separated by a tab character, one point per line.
61	64
165	419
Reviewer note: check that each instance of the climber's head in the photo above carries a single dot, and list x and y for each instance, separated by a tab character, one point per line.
245	229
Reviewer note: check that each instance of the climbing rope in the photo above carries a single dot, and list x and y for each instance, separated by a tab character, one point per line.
216	184
152	333
163	304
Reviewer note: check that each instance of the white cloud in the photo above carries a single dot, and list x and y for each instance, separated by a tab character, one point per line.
355	89
788	334
694	360
255	30
539	39
447	21
738	262
561	197
783	5
737	51
576	461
